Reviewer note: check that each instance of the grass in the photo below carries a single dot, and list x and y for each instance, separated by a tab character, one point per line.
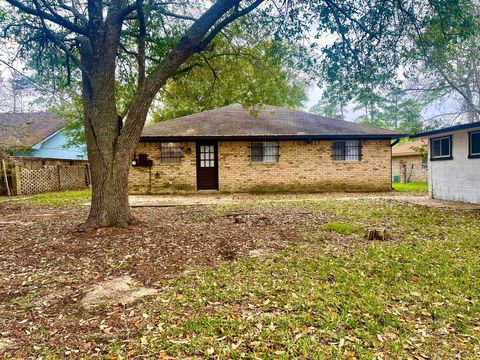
52	199
412	186
416	296
341	228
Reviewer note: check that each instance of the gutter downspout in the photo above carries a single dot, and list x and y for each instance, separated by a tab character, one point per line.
397	140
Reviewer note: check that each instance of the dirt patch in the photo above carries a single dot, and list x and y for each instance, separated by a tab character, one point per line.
121	290
261	252
47	267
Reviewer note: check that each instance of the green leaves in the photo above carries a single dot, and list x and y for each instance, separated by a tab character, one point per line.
227	74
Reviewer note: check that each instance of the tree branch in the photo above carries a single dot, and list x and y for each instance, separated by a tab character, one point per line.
142	33
332	4
59	43
55	18
228	20
189	44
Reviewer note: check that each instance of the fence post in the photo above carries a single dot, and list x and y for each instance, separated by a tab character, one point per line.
89	175
9	193
17	180
59	180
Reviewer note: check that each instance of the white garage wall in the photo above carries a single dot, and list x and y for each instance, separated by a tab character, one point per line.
457	179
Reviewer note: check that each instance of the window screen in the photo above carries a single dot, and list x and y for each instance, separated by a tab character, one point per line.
347	150
266	151
171	152
441	147
475	143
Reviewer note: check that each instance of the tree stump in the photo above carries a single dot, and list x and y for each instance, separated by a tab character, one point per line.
376	234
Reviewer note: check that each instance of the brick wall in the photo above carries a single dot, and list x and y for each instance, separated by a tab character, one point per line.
301	167
410	168
163	177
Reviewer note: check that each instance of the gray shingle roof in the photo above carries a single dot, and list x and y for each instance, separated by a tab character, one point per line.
234	121
27	129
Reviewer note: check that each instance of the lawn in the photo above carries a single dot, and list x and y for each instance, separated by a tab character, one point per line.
322	291
53	199
412	187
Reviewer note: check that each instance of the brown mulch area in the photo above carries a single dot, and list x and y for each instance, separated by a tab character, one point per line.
46	265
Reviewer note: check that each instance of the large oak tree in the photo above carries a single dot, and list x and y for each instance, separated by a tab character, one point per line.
139	44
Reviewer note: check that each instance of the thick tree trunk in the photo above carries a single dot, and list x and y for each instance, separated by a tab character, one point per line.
109	160
110	206
110	141
109	163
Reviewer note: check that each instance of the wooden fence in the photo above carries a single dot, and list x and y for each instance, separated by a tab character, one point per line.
24	180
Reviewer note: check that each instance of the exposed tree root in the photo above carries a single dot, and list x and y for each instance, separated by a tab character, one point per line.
93	223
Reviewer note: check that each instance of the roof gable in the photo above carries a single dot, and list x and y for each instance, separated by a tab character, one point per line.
409	149
24	130
234	121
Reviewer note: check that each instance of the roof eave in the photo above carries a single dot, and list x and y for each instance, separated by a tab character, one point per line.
148	138
405	154
446	130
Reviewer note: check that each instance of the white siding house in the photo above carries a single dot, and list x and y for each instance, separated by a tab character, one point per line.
454	163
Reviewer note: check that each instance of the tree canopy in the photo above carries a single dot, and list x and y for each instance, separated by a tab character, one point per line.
251	75
435	59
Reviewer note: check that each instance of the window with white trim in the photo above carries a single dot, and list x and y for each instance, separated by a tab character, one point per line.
474	144
347	150
441	148
266	151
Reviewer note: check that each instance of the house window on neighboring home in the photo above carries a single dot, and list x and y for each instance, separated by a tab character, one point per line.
441	148
474	144
266	152
347	150
170	152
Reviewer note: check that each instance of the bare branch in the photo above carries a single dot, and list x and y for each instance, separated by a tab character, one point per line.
189	44
228	20
55	18
333	4
142	33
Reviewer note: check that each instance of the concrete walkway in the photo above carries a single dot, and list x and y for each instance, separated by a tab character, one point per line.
435	203
215	198
223	199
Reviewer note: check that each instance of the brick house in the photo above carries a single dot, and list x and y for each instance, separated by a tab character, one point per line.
233	149
409	162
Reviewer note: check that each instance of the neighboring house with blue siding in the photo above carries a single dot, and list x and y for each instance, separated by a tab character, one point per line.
37	135
54	147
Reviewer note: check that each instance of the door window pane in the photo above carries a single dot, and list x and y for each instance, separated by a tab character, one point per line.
207	156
